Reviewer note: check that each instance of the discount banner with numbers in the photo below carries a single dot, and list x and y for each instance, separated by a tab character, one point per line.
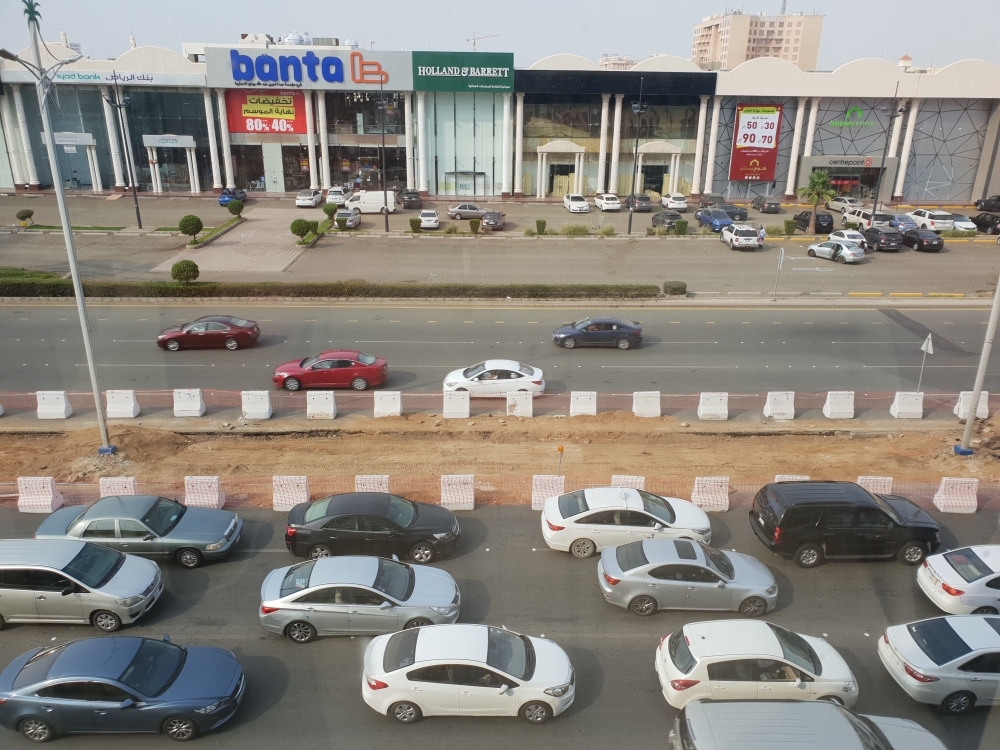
272	111
755	142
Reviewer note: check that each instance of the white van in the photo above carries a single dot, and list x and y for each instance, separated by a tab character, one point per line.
371	202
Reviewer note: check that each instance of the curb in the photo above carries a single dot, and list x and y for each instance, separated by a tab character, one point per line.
216	236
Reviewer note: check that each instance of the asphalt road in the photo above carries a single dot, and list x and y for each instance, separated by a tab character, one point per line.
310	695
684	351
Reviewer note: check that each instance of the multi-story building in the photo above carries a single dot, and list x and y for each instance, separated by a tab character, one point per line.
724	40
615	62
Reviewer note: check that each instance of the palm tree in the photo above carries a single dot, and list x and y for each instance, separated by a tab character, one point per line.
819	190
32	12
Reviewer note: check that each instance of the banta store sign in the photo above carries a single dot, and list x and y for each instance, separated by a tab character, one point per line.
463	71
755	142
266	111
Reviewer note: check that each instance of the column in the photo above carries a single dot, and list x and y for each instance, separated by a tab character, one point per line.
811	130
616	145
793	162
8	135
904	155
95	172
519	149
422	143
213	146
113	141
191	177
311	141
713	140
505	185
602	152
29	156
638	175
897	129
542	164
674	164
227	153
324	141
699	146
154	170
580	158
195	176
408	137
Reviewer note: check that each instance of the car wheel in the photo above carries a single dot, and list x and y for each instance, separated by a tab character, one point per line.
232	344
180	728
422	553
357	212
912	553
105	621
319	550
624	344
990	230
405	712
811	253
300	632
292	384
536	712
173	345
458	217
957	703
583	548
569	343
809	555
36	730
417	622
841	259
753	606
643	605
359	384
1	622
985	611
190	557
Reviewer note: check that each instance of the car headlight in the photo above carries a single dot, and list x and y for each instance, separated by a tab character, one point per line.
444	535
209	709
444	610
559	335
450	383
559	691
849	686
216	545
770	590
702	532
129	602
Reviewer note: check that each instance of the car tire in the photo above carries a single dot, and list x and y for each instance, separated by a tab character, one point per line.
417	622
36	730
356	211
292	384
405	712
189	557
232	344
912	553
106	622
623	344
753	606
985	611
809	555
173	345
583	548
180	728
359	384
319	550
811	253
422	553
841	259
458	217
569	343
300	632
1	622
643	605
959	702
536	712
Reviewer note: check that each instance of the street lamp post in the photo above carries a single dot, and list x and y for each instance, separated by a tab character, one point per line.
385	185
637	108
893	114
119	103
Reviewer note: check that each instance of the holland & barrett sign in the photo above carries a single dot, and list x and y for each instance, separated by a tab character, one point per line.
463	71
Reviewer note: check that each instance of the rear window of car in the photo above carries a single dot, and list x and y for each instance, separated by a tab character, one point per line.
572	504
745	233
342	214
938	640
317	509
525	369
428	214
968	564
401	650
366	359
631	556
239	322
679	653
882	217
38	666
297	578
767	507
657	506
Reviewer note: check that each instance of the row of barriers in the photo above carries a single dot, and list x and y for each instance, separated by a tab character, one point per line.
260	405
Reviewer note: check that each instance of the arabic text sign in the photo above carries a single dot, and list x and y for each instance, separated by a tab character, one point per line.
295	67
256	111
168	141
463	71
755	142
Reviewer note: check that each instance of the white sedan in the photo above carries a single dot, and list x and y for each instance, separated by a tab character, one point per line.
429	220
843	203
308	198
466	670
586	521
849	235
575	203
495	377
607	202
840	251
963	581
963	223
676	201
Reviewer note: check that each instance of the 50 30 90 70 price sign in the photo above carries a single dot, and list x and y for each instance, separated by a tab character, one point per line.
754	155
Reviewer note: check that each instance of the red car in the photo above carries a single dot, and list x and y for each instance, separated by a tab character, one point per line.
210	332
337	368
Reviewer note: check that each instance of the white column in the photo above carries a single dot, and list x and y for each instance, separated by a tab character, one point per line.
95	172
519	149
897	129
639	187
602	152
422	142
699	146
672	183
538	175
195	177
616	145
227	154
311	141
213	145
154	171
22	121
713	140
324	141
113	140
8	135
904	155
811	130
408	137
505	184
793	162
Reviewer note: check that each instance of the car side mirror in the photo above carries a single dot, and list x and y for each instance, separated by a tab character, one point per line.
720	585
658	527
503	689
385	605
67	591
127	703
149	538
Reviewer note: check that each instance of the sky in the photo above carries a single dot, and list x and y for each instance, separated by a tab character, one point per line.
531	29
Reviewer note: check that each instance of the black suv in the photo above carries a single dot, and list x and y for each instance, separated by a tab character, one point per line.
824	222
710	200
883	239
766	205
987	222
812	521
409	198
734	212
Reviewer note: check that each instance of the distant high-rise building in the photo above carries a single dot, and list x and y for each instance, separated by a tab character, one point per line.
615	62
724	40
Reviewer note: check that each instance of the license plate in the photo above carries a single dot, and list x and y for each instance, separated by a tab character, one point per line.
760	521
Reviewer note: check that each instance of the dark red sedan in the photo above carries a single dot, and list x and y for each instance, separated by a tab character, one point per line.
337	368
210	332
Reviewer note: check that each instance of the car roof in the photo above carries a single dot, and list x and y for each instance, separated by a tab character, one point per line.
53	553
613	497
357	502
810	493
574	196
345	570
338	353
452	642
659	551
502	364
976	631
806	725
937	212
95	657
732	638
740	225
610	319
120	506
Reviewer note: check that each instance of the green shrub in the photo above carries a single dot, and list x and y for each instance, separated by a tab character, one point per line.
651	231
342	223
662	231
330	209
790	227
451	229
299	227
959	233
190	225
851	225
774	230
529	232
25	214
540	226
235	207
608	231
313	227
681	226
575	230
474	225
675	287
185	271
415	225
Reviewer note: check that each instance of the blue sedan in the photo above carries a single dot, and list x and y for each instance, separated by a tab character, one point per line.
902	223
120	685
714	218
232	194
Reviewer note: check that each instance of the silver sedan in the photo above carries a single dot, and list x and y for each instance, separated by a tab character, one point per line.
680	574
838	250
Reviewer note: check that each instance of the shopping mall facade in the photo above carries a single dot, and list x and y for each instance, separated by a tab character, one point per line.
279	118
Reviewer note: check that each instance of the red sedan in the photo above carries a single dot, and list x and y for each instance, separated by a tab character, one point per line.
337	368
210	332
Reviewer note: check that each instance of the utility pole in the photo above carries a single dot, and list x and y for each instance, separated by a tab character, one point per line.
385	184
637	108
977	389
119	104
893	114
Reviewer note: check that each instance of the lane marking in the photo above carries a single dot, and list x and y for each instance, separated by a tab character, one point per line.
532	322
132	341
468	321
917	367
670	367
414	342
689	342
151	364
393	321
432	321
914	341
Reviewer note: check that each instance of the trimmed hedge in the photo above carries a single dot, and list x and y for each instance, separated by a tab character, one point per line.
675	287
790	227
681	226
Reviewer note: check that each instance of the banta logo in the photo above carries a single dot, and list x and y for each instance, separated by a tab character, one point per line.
853	118
288	69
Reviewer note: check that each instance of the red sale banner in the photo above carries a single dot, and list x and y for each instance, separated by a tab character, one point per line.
755	142
271	111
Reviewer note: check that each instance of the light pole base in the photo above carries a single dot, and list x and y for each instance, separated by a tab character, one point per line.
111	450
960	451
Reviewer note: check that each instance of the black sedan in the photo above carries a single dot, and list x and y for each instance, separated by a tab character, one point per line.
666	219
883	239
923	239
495	221
599	331
986	222
710	200
642	202
766	205
989	204
371	523
734	212
824	221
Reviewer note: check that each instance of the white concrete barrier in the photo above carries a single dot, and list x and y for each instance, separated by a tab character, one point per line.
711	493
520	404
53	405
321	405
961	409
780	405
907	405
203	492
1	410
881	485
188	402
289	491
122	405
839	405
116	486
583	403
458	491
544	486
456	405
957	495
256	404
626	480
371	483
38	495
388	404
713	406
791	478
646	404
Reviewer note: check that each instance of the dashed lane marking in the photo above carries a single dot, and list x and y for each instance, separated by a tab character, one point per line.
414	342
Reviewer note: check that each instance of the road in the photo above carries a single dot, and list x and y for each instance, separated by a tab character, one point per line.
684	351
307	695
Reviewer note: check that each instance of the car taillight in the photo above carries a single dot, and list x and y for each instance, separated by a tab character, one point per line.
885	638
611	579
376	684
536	382
777	534
290	531
925	563
951	590
268	610
663	640
683	684
553	527
917	675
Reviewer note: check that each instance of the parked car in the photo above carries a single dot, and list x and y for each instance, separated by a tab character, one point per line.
813	521
883	239
74	582
210	332
986	222
495	221
714	218
934	219
666	219
495	377
849	235
901	222
750	660
149	526
232	194
843	203
336	368
599	331
674	201
120	685
575	203
842	252
766	205
429	219
467	670
923	239
708	200
639	202
949	662
991	204
963	581
653	574
371	202
338	195
824	222
308	198
607	202
584	522
735	212
353	218
409	198
740	236
355	596
863	218
963	223
375	523
466	211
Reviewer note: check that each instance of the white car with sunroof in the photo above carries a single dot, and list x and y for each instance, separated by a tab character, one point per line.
584	522
963	581
495	377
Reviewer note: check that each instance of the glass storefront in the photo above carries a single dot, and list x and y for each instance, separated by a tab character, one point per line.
248	167
361	166
464	143
175	112
295	165
856	182
357	113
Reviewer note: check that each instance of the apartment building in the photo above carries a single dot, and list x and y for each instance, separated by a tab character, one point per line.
724	40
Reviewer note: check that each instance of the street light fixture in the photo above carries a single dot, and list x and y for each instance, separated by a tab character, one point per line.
119	103
637	108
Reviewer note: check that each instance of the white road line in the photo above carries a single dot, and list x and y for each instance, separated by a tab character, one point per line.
151	364
917	367
689	342
670	367
133	341
914	341
414	342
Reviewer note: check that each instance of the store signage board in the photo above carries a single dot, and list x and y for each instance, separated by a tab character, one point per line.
304	67
168	141
755	143
72	139
266	111
463	71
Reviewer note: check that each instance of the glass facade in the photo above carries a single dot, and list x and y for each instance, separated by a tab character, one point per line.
464	143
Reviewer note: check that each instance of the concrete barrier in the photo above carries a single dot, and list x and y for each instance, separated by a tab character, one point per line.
388	404
791	478
256	404
711	493
583	403
780	405
957	495
456	405
289	491
1	410
122	405
117	486
713	406
544	486
188	402
520	404
458	491
907	405
371	483
203	492
53	405
881	485
626	480
38	495
961	409
646	404
321	405
839	405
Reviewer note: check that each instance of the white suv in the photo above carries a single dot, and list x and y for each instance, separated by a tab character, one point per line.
739	236
338	195
862	217
933	219
676	201
843	203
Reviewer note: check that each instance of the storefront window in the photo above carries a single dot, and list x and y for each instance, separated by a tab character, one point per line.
295	165
248	166
856	182
155	112
357	113
579	117
662	122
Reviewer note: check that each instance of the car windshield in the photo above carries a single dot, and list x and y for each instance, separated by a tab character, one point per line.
797	650
317	509
474	371
163	515
968	564
718	561
959	217
581	324
401	650
401	512
154	667
308	362
394	579
718	214
305	194
938	640
868	733
510	653
573	503
366	359
887	508
297	578
94	565
680	654
344	214
577	198
631	556
657	506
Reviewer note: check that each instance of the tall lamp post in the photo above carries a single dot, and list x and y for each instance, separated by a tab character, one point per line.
892	115
637	108
385	185
119	103
43	87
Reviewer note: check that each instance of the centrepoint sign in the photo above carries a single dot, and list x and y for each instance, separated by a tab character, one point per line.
291	66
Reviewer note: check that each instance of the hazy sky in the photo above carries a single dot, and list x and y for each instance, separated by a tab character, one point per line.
930	31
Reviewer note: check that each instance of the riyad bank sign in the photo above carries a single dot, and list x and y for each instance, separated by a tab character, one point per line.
463	71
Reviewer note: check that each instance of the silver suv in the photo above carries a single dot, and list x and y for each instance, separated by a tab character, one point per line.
862	218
